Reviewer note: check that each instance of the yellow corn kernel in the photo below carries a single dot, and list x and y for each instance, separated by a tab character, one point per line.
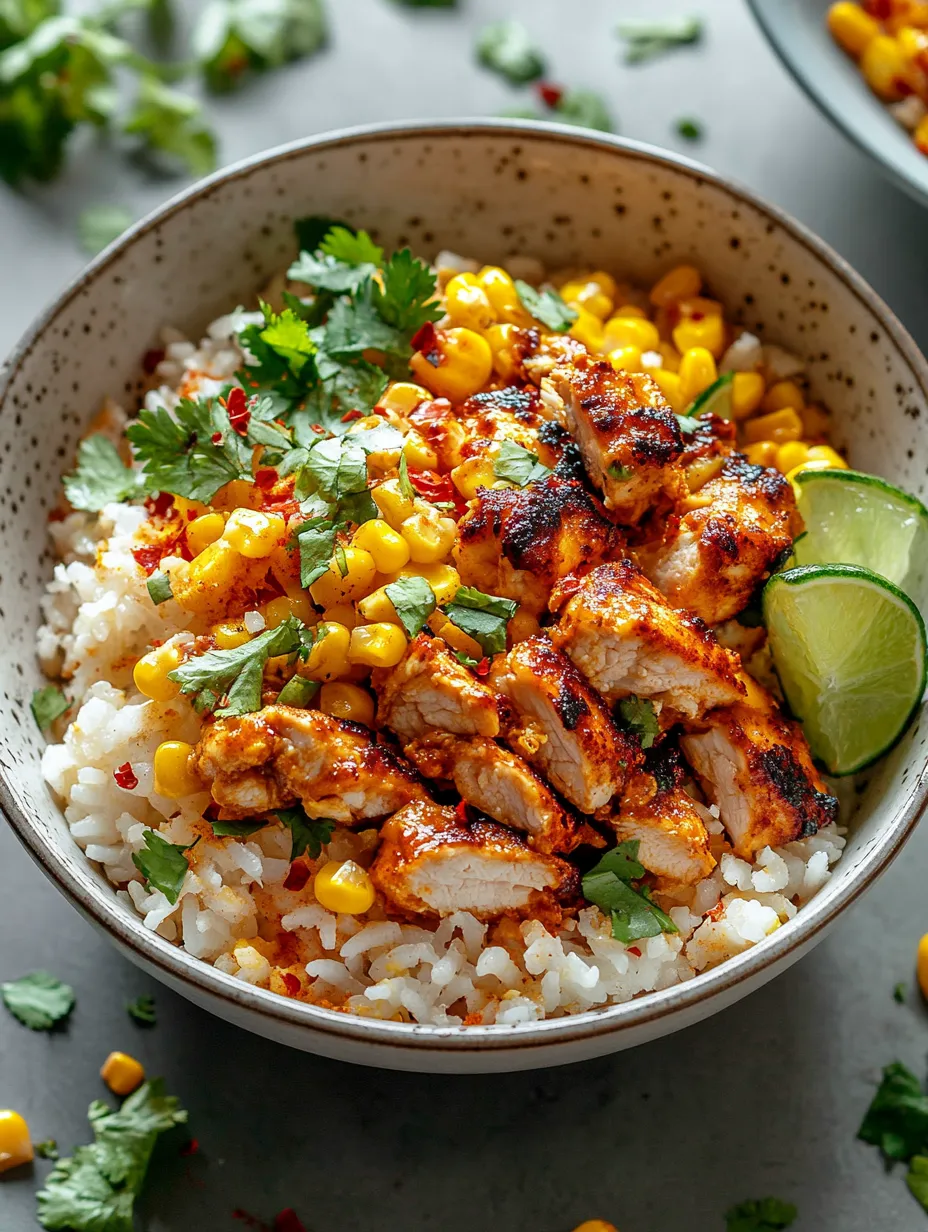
347	701
203	531
631	331
503	296
377	645
429	536
697	372
626	359
747	391
467	303
377	607
419	453
810	464
708	332
332	588
588	330
394	507
342	614
230	633
465	367
761	453
588	294
175	770
238	494
328	658
389	549
885	68
921	966
472	474
122	1073
522	626
189	509
214	570
282	608
456	638
403	397
825	453
596	1225
778	426
630	310
252	534
697	306
444	580
670	387
815	421
679	283
502	340
151	673
852	28
791	455
344	887
920	136
781	394
15	1143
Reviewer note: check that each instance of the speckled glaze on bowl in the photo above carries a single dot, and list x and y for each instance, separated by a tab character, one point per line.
489	189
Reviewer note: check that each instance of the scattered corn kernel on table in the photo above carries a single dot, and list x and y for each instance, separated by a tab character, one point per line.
762	1099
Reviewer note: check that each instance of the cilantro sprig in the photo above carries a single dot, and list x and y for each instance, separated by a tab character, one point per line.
646	39
638	716
763	1215
39	1000
306	833
414	601
482	617
101	477
163	865
608	885
547	307
506	47
236	38
518	465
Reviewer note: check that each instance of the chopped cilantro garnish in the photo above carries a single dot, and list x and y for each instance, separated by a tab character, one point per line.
899	992
48	704
237	37
414	601
47	1149
465	660
482	617
607	885
99	225
316	542
159	588
142	1010
638	716
192	453
584	108
688	424
690	130
298	692
547	307
38	1000
765	1215
517	465
406	488
163	865
101	478
307	833
646	39
94	1190
236	829
506	47
407	300
897	1119
620	473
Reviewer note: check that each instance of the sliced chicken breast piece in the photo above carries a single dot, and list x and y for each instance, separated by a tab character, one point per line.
561	726
430	863
519	543
429	689
628	435
625	637
499	784
282	755
731	533
756	766
672	837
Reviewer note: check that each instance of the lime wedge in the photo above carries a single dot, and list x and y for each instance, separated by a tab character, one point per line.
856	519
717	398
849	649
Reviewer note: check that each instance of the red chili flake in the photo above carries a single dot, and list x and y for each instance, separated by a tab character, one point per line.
126	777
881	9
291	983
237	406
159	505
287	1221
549	93
350	415
151	359
265	478
428	414
633	949
190	1148
149	557
433	487
425	338
216	438
251	1221
318	429
483	667
297	877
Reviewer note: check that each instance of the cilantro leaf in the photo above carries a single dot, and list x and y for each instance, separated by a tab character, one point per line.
99	225
689	424
289	338
348	385
38	1000
169	126
407	299
47	1149
236	829
917	1179
18	18
307	833
352	247
316	542
237	37
163	865
414	601
517	465
142	1010
298	692
765	1215
356	325
482	617
638	717
897	1119
95	1189
101	478
325	273
584	108
899	991
237	674
406	488
180	455
619	472
607	885
48	704
690	130
622	861
159	588
506	47
547	307
646	39
312	230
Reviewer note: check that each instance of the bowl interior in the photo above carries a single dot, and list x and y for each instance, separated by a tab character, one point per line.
489	191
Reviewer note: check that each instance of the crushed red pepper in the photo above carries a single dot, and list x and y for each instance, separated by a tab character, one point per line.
125	777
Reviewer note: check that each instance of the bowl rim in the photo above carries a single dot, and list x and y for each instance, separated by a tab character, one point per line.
916	187
181	968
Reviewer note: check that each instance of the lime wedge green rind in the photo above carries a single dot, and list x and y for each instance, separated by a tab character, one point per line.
717	398
850	651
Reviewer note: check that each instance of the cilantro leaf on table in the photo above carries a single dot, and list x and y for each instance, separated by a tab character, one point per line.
517	465
180	454
163	865
638	716
142	1010
169	126
47	1149
39	1000
917	1179
101	477
48	704
482	617
899	992
607	885
690	130
547	307
506	48
586	109
95	1189
414	601
99	225
897	1119
644	40
765	1215
236	37
307	833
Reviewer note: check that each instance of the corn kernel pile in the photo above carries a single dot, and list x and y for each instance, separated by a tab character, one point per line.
889	40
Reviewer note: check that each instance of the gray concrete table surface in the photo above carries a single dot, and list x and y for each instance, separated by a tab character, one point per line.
762	1099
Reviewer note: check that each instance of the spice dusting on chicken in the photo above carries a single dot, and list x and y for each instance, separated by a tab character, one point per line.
401	643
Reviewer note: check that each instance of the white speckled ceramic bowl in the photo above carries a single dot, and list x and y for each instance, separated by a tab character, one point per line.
490	189
798	33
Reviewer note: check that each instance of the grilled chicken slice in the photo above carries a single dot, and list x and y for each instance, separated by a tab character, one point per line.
629	437
672	837
281	755
499	784
731	534
519	542
756	766
561	726
429	689
507	414
623	635
430	863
